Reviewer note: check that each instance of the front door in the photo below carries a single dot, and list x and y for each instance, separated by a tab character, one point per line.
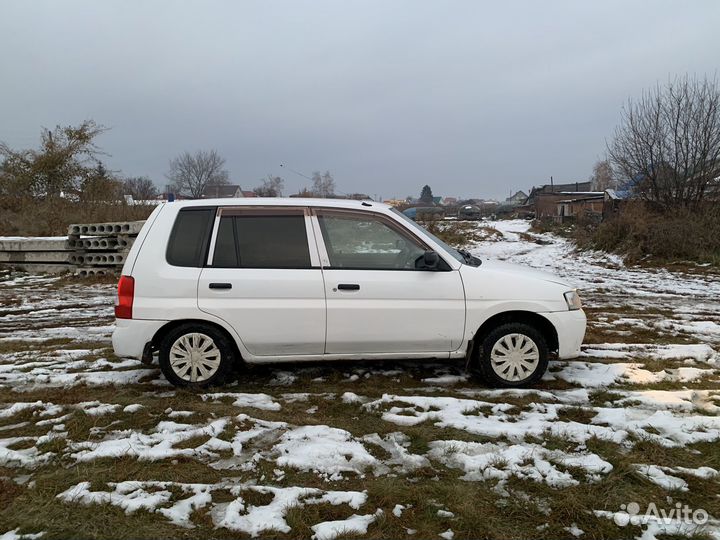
263	278
378	301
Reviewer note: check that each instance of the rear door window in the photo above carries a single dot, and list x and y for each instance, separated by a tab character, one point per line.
262	240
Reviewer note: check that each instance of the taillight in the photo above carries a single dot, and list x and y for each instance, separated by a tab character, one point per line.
125	295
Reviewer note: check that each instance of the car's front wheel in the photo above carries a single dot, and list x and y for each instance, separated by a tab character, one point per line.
196	355
512	355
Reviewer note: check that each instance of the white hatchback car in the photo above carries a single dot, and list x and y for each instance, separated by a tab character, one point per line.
212	283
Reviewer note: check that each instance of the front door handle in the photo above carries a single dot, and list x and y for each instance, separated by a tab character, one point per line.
348	287
220	285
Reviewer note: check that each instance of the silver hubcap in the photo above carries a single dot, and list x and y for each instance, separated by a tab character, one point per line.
514	357
194	357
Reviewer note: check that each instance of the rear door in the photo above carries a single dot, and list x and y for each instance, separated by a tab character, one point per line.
377	300
263	277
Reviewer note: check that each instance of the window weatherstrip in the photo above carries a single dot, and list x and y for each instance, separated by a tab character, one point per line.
320	242
265	211
213	238
312	241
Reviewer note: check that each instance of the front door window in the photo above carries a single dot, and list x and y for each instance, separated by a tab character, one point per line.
366	243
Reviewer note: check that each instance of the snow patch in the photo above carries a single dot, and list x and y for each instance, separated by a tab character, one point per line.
324	450
257	401
329	530
485	461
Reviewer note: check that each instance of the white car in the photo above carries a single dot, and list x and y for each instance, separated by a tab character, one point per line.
209	284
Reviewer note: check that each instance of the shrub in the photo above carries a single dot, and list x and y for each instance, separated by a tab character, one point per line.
546	225
459	234
640	231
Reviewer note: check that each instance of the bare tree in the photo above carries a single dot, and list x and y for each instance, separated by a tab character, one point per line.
272	186
190	173
667	146
603	176
141	188
323	185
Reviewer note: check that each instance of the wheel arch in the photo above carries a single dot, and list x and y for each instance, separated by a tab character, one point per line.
167	328
536	320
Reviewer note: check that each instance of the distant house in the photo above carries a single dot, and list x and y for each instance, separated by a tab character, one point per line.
223	191
559	188
486	202
543	201
517	199
573	186
249	193
585	205
450	201
615	199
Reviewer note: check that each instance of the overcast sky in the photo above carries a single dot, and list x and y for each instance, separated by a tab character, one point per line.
474	98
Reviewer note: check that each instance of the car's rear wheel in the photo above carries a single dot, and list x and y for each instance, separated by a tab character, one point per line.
196	355
512	355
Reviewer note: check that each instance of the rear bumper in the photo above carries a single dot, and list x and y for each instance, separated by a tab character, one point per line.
131	335
570	327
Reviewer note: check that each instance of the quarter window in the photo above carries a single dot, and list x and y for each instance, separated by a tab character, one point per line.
188	241
367	243
262	241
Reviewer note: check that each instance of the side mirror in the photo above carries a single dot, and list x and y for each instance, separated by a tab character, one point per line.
428	261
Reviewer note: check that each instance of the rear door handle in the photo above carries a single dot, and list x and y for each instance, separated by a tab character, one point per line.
348	287
220	285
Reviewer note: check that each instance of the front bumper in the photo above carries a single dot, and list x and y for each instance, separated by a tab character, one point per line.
570	327
131	335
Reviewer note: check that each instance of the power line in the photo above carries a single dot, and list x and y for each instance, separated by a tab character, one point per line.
296	172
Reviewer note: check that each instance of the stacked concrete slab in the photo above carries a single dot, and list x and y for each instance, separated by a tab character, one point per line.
89	249
36	254
99	248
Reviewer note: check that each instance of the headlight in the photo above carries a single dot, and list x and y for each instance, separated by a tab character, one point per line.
573	300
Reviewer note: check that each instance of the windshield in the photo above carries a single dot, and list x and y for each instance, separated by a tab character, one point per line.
452	251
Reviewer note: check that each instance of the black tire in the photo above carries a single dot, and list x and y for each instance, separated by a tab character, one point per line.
482	364
220	340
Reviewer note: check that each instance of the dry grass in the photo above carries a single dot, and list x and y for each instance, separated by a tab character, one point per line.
678	236
460	234
18	216
479	510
